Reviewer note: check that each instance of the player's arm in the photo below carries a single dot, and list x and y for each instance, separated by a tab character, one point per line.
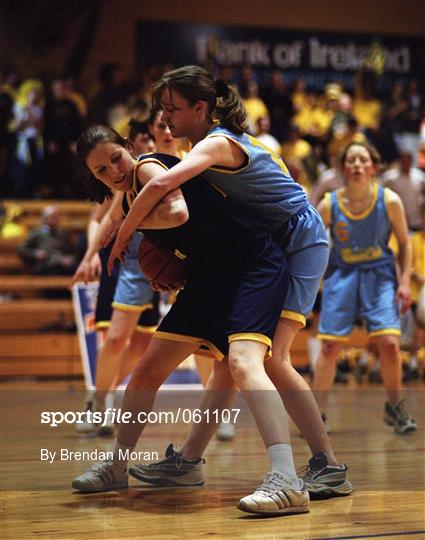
397	217
203	155
324	209
171	211
101	223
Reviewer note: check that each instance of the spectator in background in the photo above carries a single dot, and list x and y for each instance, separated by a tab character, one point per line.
367	110
254	105
48	250
263	134
63	124
140	137
279	105
26	163
115	90
409	183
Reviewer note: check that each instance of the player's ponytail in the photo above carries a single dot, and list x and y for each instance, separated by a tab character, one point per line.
196	84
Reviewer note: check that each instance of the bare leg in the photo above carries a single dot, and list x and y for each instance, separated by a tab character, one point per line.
111	352
389	353
325	371
161	358
204	365
135	349
220	392
296	394
246	363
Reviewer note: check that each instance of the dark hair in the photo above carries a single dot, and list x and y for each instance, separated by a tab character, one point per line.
373	152
154	113
87	141
136	127
197	84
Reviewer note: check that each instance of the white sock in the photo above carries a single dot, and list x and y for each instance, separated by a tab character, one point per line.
313	348
413	362
282	461
120	452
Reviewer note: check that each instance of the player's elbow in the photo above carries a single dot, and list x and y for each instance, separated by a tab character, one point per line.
180	215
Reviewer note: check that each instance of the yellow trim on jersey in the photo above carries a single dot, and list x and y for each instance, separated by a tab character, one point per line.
217	188
251	336
385	332
356	217
145	329
127	307
237	143
102	324
190	339
387	193
180	255
293	316
330	337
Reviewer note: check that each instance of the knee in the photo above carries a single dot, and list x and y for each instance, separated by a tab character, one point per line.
330	350
242	365
115	342
147	375
389	347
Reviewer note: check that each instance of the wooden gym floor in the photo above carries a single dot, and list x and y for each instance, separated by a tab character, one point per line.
387	471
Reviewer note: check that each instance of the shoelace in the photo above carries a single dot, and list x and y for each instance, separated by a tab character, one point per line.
272	482
99	466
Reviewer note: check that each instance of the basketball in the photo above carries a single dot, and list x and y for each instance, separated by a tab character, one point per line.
161	264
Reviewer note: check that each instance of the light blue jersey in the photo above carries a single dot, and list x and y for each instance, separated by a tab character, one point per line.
360	239
263	185
361	279
265	190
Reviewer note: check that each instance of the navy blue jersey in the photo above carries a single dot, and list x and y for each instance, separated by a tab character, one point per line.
237	273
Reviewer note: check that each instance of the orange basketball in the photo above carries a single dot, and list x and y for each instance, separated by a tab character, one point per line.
161	264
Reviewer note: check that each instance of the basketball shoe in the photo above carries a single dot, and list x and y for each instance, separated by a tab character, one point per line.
103	476
398	417
323	480
174	470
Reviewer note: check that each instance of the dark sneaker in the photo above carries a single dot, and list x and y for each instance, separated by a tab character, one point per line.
174	470
398	417
103	476
276	497
323	480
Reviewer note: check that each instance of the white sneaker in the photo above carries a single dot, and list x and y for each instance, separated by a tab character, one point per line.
276	497
87	427
103	476
225	432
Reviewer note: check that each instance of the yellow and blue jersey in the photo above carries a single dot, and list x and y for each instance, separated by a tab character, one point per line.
360	280
263	186
360	239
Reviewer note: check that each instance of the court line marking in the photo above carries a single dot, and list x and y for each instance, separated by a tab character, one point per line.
379	535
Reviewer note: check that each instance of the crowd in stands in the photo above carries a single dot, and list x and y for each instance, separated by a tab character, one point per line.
41	120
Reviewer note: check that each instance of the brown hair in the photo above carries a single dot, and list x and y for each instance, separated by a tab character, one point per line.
197	84
87	141
373	152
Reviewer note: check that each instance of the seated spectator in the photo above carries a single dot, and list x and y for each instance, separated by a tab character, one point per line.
48	250
409	183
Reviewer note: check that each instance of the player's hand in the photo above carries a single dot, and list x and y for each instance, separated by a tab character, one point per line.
119	249
403	298
111	233
88	270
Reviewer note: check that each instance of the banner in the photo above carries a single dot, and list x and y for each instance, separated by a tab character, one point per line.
84	298
318	57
